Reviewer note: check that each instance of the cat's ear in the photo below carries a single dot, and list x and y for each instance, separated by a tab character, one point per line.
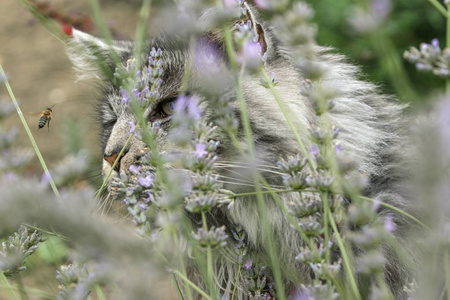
92	57
252	17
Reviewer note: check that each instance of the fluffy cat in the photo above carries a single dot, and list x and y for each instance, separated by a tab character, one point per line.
373	132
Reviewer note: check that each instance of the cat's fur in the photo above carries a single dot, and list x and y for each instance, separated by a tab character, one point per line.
372	132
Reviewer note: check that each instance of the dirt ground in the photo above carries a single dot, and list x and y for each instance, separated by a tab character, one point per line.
40	73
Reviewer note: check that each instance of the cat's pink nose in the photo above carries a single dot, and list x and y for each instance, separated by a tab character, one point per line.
112	158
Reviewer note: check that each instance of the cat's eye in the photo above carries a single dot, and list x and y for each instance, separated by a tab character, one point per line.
168	107
163	110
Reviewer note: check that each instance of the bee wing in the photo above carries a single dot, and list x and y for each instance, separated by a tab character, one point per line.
35	114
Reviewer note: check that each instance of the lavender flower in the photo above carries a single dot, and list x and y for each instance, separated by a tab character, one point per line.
366	20
326	271
257	281
17	248
141	85
240	247
203	202
306	207
250	50
215	237
200	150
135	170
125	96
430	58
76	281
248	264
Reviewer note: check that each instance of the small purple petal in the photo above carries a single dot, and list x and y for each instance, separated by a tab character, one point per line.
338	148
132	126
45	179
381	7
248	264
188	104
200	150
314	150
376	204
12	177
389	224
125	96
146	181
250	54
435	43
135	170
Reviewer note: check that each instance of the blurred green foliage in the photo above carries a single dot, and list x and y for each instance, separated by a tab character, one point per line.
410	23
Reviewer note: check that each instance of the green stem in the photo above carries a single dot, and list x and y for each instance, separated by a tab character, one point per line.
249	139
291	219
326	212
209	261
9	287
396	210
236	281
141	31
264	192
190	283
30	135
345	257
183	268
288	119
22	291
439	7
36	292
99	292
393	66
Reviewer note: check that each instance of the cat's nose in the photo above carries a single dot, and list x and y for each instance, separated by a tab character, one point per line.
112	158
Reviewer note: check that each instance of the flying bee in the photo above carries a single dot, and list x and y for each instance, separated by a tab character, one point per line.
46	116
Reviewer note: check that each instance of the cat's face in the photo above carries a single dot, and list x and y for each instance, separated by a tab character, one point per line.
209	78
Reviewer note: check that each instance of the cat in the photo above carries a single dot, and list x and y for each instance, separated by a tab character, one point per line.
373	132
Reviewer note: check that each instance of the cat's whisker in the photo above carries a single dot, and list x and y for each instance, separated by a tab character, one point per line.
219	165
236	179
243	163
274	187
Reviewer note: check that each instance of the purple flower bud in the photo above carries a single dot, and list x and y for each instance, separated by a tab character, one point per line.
132	126
135	170
188	104
435	43
248	264
381	7
11	177
200	150
45	179
146	181
125	96
250	54
338	148
389	224
314	150
376	204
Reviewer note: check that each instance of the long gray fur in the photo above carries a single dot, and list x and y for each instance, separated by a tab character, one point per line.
373	132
